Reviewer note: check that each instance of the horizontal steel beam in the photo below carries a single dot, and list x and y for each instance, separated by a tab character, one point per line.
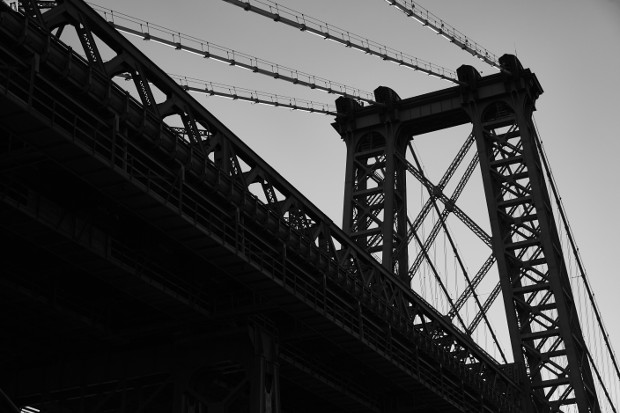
73	113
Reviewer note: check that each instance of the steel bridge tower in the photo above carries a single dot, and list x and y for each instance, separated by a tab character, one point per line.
544	327
546	338
163	230
176	270
375	197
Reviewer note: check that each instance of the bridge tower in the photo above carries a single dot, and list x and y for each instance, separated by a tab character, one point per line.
547	343
175	270
162	255
546	337
375	196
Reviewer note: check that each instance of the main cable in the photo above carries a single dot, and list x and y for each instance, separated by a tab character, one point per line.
180	41
575	250
209	88
448	32
305	23
191	84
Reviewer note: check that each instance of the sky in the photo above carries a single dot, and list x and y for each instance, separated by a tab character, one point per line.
572	47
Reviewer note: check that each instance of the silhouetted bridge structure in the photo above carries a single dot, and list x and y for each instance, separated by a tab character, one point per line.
143	274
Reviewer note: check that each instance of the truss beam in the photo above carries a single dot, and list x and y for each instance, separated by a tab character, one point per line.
546	337
207	189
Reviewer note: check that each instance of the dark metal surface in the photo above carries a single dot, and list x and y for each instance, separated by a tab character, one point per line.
156	250
375	198
546	337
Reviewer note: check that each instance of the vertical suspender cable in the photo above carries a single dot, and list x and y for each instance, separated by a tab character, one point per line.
575	250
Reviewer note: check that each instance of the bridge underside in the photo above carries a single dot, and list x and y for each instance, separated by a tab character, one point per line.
131	282
112	301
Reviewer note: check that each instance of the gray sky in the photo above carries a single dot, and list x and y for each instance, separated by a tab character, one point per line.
572	47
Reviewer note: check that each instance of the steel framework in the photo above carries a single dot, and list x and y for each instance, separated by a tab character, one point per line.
146	234
547	343
150	235
544	326
375	198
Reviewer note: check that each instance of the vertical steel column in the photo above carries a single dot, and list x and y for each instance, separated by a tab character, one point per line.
546	337
264	373
375	206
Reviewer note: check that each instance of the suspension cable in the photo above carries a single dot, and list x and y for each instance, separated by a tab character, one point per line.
180	41
478	278
279	13
458	212
600	380
442	221
575	250
448	32
191	84
456	162
438	279
262	98
427	206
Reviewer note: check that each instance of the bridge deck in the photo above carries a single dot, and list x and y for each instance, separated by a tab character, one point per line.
143	246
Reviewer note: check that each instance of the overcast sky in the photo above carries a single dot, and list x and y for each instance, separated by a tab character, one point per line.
573	47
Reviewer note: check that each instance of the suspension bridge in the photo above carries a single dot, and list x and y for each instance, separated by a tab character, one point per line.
156	263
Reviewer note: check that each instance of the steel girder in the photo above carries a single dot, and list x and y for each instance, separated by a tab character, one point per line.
546	337
287	241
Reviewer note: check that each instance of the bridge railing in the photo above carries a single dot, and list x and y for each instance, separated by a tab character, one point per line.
322	267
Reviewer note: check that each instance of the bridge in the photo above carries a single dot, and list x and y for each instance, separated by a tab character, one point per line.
160	268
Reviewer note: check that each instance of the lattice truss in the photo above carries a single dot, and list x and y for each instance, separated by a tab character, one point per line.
194	154
534	274
451	290
539	301
541	325
375	170
469	303
462	304
439	232
199	146
369	199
